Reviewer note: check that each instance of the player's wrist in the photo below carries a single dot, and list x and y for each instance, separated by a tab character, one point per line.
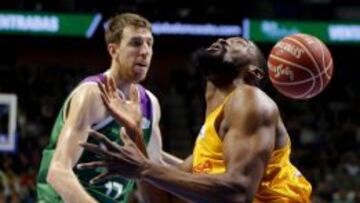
144	168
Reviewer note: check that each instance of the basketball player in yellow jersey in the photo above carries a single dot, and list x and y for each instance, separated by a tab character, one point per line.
242	153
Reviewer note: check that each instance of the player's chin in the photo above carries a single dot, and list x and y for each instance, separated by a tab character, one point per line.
139	77
139	73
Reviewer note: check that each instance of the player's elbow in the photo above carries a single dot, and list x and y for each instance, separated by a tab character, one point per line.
55	174
52	175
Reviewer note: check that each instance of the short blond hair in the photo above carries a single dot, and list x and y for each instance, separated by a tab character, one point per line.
115	26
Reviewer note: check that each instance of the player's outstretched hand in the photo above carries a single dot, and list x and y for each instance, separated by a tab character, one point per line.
127	161
126	112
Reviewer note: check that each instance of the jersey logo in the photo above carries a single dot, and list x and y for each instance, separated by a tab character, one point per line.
204	167
114	189
145	123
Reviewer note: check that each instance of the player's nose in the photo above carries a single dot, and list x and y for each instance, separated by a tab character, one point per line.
223	42
144	50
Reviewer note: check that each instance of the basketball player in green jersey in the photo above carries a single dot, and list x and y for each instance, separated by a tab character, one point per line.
129	42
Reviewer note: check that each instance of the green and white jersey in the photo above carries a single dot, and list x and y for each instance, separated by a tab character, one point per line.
113	190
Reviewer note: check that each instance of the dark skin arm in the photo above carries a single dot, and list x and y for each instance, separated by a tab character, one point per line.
162	196
248	144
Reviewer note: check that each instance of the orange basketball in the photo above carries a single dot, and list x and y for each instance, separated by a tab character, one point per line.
300	66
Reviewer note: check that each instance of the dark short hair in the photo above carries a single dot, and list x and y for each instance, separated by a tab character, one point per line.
259	58
115	26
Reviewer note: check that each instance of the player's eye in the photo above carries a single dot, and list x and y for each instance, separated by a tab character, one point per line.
136	42
150	43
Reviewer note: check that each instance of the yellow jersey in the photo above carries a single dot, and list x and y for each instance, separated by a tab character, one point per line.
281	183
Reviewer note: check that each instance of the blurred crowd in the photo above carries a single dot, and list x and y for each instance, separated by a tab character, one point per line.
325	131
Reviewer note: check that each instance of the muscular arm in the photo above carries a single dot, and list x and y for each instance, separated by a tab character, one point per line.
77	124
248	144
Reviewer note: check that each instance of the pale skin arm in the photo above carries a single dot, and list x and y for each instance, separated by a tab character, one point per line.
248	144
77	124
155	147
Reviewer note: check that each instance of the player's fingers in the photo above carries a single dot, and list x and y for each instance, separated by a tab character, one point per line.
105	96
125	137
140	144
103	139
91	165
119	94
99	178
95	149
112	85
105	99
107	85
102	88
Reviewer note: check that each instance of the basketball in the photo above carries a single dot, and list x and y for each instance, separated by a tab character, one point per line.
300	66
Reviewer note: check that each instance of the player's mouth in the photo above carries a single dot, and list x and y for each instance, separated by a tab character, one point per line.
141	64
140	67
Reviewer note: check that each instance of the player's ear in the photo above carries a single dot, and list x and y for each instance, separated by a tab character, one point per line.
112	49
256	73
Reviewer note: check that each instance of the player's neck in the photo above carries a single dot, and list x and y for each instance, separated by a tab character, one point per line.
238	82
121	84
215	96
212	89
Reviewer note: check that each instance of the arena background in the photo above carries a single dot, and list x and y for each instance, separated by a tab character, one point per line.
42	70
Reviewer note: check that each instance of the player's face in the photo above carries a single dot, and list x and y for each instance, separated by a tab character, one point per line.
232	50
221	63
134	53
